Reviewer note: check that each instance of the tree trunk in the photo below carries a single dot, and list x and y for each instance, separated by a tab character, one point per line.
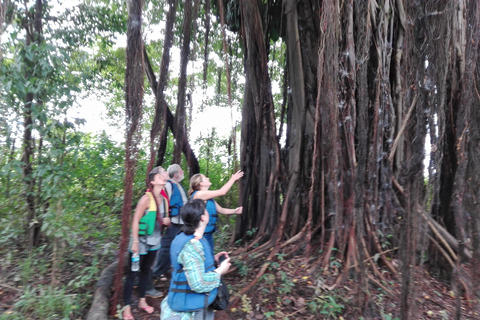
180	117
466	146
33	28
133	102
192	160
260	148
296	112
157	134
363	35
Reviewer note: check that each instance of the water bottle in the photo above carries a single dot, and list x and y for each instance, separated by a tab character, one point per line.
135	262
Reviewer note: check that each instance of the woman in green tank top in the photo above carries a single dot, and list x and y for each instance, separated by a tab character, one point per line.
144	240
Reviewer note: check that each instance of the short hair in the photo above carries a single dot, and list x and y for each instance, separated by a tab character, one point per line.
172	169
155	171
191	213
195	181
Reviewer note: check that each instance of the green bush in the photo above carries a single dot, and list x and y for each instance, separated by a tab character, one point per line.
45	302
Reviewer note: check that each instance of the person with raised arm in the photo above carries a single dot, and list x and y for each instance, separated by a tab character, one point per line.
199	189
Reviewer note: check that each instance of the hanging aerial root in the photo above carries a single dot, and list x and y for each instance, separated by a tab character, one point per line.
444	237
328	251
325	257
374	266
351	258
402	129
378	247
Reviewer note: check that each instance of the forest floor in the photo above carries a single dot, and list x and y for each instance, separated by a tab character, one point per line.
289	293
286	291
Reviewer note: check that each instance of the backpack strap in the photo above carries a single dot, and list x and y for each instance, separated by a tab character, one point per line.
166	204
167	190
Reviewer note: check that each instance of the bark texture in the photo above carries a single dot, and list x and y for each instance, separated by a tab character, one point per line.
372	87
133	104
32	23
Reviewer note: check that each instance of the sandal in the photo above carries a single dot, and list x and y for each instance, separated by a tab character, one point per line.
148	309
124	317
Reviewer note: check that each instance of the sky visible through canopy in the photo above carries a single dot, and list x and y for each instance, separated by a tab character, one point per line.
95	111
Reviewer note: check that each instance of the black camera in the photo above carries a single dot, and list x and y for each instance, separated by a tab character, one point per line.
222	258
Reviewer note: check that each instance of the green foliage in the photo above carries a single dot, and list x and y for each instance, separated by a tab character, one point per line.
287	284
242	267
11	203
10	315
251	232
37	84
270	315
64	300
281	256
85	189
273	266
390	317
223	233
94	22
86	275
268	278
326	306
49	303
335	263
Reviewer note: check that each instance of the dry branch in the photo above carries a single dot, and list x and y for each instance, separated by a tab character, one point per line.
442	239
378	284
373	257
442	251
450	243
10	287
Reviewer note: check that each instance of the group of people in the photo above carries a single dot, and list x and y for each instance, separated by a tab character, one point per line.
186	245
